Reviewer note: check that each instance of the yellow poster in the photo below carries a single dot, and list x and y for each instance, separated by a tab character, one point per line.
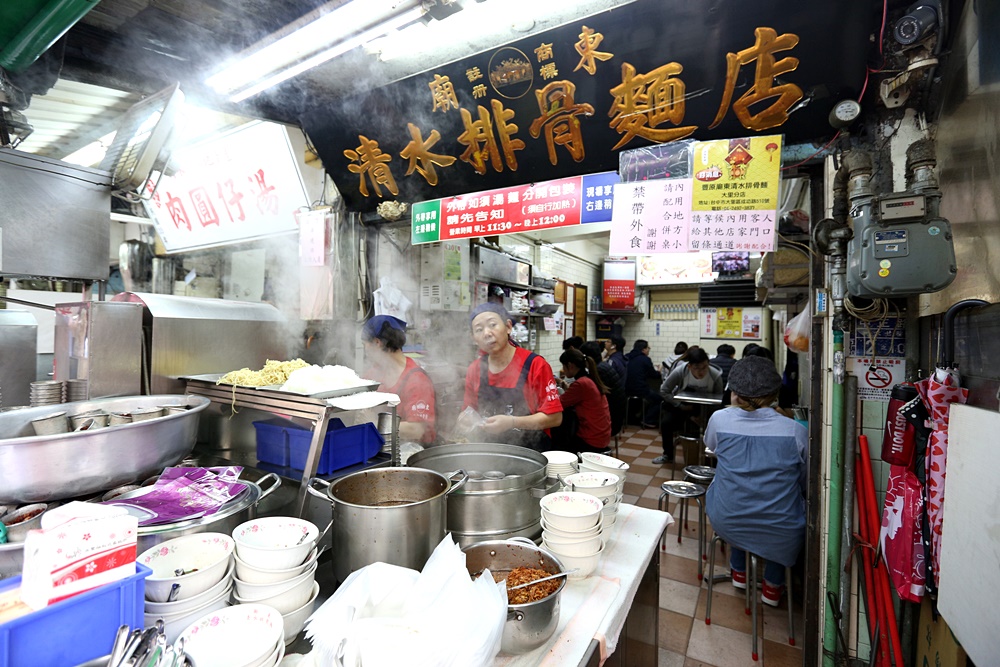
737	174
730	323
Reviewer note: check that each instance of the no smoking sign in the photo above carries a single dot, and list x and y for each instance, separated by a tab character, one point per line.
876	376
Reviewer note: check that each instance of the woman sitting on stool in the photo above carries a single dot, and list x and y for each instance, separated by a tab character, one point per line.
589	429
757	500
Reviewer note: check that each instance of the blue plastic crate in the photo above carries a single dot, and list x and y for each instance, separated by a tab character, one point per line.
283	443
76	630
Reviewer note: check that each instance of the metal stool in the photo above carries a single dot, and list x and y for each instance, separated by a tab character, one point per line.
615	440
682	491
628	409
699	474
751	605
689	444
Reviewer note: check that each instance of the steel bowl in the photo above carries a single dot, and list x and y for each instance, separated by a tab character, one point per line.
39	468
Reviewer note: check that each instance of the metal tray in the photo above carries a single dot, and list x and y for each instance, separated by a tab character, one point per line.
213	378
40	468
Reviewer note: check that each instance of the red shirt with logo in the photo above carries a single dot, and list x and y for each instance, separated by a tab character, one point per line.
416	395
591	411
540	390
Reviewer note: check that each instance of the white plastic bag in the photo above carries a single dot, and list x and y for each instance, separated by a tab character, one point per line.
384	615
797	332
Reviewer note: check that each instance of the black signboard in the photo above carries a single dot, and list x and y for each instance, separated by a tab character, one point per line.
568	100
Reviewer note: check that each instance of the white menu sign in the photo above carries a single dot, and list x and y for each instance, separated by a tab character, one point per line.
651	217
240	186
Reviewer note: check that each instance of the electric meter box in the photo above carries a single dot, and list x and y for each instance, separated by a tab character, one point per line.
898	250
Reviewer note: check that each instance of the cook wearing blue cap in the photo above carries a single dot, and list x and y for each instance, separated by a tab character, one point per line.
511	387
383	337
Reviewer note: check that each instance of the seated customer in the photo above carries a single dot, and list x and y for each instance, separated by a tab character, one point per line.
586	425
757	500
695	374
613	381
639	372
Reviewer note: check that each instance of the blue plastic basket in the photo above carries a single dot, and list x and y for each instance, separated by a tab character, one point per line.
76	630
282	443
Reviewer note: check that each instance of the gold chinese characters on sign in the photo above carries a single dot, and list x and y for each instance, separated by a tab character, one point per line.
650	105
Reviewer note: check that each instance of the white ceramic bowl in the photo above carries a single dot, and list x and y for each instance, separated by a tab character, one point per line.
597	484
275	542
201	609
563	458
585	565
288	600
605	462
256	592
175	624
586	467
236	636
570	510
193	603
208	554
294	620
255	575
589	532
568	546
18	527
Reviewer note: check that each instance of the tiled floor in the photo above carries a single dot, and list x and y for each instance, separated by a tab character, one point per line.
685	639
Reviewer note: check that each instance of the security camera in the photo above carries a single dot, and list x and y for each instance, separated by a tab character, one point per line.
920	20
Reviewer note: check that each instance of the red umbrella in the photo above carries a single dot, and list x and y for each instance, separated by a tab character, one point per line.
938	391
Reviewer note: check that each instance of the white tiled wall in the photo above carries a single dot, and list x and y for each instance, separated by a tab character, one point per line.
553	262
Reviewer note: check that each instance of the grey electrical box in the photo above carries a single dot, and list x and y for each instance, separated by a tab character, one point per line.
899	252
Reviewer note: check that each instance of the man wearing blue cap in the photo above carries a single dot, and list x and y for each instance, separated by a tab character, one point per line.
383	337
511	387
757	500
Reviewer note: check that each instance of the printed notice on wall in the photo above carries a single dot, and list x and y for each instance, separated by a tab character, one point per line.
651	217
734	199
876	376
731	323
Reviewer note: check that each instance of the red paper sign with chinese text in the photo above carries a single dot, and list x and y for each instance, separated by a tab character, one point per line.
619	285
512	210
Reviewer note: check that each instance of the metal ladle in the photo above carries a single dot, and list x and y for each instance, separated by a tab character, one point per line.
538	581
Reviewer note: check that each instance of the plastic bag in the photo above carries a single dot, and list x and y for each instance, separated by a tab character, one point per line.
901	534
797	332
469	420
385	615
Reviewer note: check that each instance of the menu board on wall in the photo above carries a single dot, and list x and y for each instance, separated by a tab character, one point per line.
618	291
731	323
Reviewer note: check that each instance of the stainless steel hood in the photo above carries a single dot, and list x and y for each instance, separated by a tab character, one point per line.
54	218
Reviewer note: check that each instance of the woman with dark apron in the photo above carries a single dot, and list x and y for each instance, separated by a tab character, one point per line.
511	387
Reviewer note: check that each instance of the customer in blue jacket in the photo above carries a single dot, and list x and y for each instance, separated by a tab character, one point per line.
757	501
639	372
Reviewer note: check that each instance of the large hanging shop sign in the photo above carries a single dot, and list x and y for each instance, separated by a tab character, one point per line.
237	187
730	203
525	208
565	101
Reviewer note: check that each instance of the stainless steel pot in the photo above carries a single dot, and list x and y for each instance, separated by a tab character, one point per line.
240	509
528	625
388	515
491	506
39	468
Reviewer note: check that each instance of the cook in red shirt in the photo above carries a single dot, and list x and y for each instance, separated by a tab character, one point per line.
586	400
383	337
511	387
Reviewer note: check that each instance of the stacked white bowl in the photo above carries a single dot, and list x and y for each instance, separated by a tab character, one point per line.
561	464
572	529
192	576
604	486
244	635
276	566
600	463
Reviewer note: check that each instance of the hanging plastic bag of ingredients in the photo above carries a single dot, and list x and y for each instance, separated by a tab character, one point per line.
797	332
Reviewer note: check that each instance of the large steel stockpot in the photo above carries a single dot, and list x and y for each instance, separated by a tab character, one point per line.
239	510
528	625
40	468
501	498
389	515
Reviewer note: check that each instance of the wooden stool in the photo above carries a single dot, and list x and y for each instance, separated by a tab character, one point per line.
751	605
682	491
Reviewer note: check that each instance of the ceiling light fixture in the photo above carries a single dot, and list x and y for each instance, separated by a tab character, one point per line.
312	43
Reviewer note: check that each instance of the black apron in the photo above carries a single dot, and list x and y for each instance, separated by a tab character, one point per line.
510	401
